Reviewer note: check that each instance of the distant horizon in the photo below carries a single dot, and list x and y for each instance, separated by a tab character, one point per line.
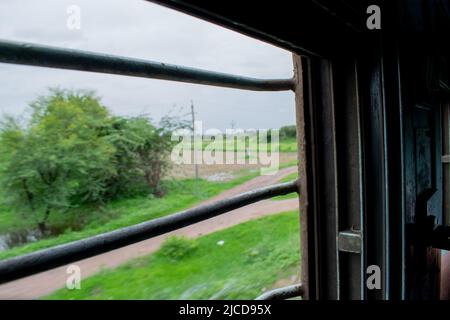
26	113
119	28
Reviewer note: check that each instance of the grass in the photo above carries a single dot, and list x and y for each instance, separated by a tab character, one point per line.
292	195
288	145
89	221
250	260
284	145
181	194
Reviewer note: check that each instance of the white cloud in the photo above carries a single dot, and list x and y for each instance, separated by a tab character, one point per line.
140	29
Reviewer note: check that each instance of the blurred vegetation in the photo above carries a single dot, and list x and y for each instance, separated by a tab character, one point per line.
73	152
249	260
288	132
89	220
74	170
176	248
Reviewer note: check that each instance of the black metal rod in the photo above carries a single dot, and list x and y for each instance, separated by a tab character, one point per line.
46	259
52	57
288	292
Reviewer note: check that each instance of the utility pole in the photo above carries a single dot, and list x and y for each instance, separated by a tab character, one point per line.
193	137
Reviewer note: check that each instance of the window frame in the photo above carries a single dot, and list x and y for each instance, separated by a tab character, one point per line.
446	161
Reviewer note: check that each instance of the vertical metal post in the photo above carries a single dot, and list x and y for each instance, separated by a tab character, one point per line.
349	180
446	159
329	177
302	174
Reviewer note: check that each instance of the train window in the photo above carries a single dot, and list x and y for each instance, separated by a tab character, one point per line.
446	159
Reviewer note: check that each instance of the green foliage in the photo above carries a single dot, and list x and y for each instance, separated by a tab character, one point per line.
288	132
73	152
142	155
58	157
152	152
176	248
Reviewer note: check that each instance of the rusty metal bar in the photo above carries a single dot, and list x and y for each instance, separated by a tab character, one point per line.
288	292
53	57
46	259
301	121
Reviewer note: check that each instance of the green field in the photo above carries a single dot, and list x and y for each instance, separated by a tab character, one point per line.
284	145
250	260
288	145
79	223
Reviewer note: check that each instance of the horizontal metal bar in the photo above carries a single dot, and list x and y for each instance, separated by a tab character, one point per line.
52	57
446	158
288	292
46	259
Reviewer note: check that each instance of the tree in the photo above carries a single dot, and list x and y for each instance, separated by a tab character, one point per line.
142	150
127	174
153	154
74	152
288	132
60	158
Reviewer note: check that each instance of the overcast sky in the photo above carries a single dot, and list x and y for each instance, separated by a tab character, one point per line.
137	28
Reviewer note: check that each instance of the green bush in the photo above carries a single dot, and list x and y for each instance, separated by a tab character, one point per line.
73	152
58	157
288	132
176	248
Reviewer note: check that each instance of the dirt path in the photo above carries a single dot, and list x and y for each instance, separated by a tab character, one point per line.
46	282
